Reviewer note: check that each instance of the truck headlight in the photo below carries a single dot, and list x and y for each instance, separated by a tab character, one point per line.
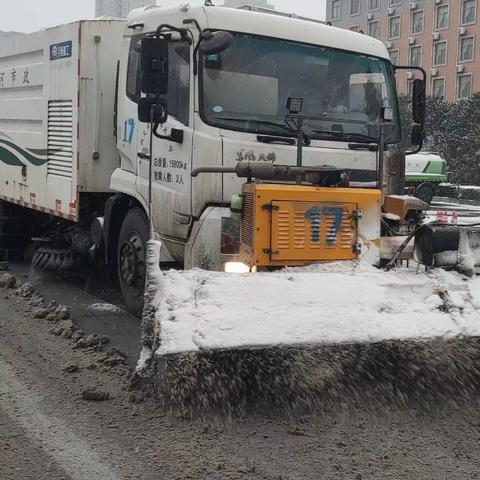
236	267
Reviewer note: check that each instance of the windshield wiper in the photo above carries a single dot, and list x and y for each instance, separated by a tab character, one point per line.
371	147
272	139
285	128
267	123
347	137
359	137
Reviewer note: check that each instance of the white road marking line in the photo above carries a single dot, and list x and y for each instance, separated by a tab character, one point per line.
71	452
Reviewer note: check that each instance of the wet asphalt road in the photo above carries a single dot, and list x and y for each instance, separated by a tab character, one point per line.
20	457
96	308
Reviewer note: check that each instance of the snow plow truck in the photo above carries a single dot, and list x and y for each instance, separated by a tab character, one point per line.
234	138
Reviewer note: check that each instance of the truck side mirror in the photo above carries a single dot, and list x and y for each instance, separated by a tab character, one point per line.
154	55
419	98
417	135
216	42
151	110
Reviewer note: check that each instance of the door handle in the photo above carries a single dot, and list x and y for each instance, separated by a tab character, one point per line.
176	135
144	156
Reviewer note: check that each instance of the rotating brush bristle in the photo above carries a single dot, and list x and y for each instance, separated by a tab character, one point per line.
53	260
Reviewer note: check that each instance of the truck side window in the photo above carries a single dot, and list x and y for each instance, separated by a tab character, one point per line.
133	70
178	96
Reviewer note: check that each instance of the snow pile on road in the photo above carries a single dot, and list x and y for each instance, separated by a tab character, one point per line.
338	303
105	307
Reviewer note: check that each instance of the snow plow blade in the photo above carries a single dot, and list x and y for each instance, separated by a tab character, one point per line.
334	304
299	339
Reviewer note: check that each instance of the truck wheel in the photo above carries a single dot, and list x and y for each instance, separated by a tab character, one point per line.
132	254
425	192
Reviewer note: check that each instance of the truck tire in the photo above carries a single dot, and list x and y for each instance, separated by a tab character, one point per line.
131	255
425	192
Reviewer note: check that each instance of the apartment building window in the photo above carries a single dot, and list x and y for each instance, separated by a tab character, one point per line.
467	49
442	14
394	3
335	9
439	54
395	56
417	22
373	5
469	11
373	29
416	56
354	7
355	28
438	87
464	86
394	27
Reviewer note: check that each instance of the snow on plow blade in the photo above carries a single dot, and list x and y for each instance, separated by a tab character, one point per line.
340	303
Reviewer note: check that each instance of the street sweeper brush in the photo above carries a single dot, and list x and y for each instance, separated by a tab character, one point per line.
53	260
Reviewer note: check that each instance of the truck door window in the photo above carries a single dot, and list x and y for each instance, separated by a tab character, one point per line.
133	71
178	96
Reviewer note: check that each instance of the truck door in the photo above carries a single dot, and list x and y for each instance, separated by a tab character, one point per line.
171	159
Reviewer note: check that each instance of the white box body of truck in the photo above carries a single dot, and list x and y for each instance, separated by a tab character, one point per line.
57	92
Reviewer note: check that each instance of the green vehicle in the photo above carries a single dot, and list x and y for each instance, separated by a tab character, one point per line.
424	173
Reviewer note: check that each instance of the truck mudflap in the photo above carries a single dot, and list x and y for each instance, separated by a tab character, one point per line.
327	304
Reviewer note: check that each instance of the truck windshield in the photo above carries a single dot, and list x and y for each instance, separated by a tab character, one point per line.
246	88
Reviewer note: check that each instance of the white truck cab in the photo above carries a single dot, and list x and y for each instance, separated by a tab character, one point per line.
230	104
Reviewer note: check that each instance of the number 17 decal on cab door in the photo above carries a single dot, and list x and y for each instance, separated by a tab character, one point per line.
128	130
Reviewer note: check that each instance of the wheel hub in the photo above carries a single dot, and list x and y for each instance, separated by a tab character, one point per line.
132	262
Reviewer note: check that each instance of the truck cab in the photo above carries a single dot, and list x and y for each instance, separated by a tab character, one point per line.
231	106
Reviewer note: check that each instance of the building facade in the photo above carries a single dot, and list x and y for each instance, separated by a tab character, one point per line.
438	35
118	8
